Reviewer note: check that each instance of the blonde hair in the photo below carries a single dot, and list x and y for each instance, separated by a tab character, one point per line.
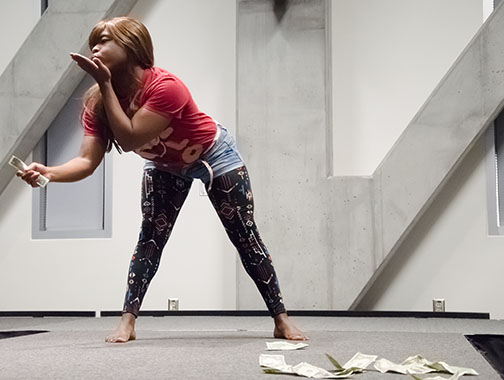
135	39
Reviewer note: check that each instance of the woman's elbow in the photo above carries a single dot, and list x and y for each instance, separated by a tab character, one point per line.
87	172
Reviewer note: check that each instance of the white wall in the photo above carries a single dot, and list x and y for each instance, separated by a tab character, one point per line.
387	57
449	254
196	41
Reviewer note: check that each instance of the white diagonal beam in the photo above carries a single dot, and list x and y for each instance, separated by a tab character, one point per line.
464	104
40	78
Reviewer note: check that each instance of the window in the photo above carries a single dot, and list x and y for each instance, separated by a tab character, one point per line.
71	210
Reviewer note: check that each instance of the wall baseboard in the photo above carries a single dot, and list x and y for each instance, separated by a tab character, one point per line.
253	313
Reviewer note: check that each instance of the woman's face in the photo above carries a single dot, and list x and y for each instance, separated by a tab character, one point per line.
109	52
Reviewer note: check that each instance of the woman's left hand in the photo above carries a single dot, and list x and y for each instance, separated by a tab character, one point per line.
93	67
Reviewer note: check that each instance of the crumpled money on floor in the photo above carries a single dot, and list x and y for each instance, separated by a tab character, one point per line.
275	364
417	365
414	365
454	377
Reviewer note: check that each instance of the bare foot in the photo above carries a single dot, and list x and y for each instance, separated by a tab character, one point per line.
285	329
125	331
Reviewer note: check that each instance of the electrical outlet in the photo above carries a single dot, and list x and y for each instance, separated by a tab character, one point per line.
438	305
173	304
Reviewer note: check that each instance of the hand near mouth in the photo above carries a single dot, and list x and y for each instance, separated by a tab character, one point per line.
93	67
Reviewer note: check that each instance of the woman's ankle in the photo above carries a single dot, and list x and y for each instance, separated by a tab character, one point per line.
281	317
128	318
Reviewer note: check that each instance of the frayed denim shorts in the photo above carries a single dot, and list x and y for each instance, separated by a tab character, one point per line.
221	158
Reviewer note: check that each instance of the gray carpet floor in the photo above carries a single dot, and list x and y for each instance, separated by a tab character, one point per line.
185	347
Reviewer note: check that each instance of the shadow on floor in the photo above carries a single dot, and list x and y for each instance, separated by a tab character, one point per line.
491	346
13	334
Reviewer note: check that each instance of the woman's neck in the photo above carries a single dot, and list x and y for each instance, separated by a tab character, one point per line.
126	82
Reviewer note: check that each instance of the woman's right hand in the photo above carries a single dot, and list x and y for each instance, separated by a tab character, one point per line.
32	172
94	67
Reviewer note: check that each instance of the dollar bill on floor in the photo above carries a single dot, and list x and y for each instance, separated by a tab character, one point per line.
417	365
359	362
444	367
308	370
284	346
453	377
412	365
275	364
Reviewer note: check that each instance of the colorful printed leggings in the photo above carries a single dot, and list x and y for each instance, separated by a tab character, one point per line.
163	195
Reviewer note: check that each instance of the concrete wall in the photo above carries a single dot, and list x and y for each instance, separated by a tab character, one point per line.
90	274
318	229
18	20
94	270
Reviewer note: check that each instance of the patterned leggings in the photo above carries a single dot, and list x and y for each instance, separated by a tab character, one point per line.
163	195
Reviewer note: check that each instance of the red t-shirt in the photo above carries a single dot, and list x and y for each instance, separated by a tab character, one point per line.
189	133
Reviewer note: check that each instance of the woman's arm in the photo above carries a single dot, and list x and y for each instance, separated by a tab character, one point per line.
129	133
135	132
91	154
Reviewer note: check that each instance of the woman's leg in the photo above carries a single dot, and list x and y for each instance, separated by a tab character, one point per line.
232	198
163	195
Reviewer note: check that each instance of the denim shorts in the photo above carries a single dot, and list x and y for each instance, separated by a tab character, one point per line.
222	157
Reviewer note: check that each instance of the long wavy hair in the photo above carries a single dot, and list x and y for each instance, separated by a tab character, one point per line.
135	39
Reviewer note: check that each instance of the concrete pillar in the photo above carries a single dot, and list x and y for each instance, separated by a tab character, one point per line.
306	218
